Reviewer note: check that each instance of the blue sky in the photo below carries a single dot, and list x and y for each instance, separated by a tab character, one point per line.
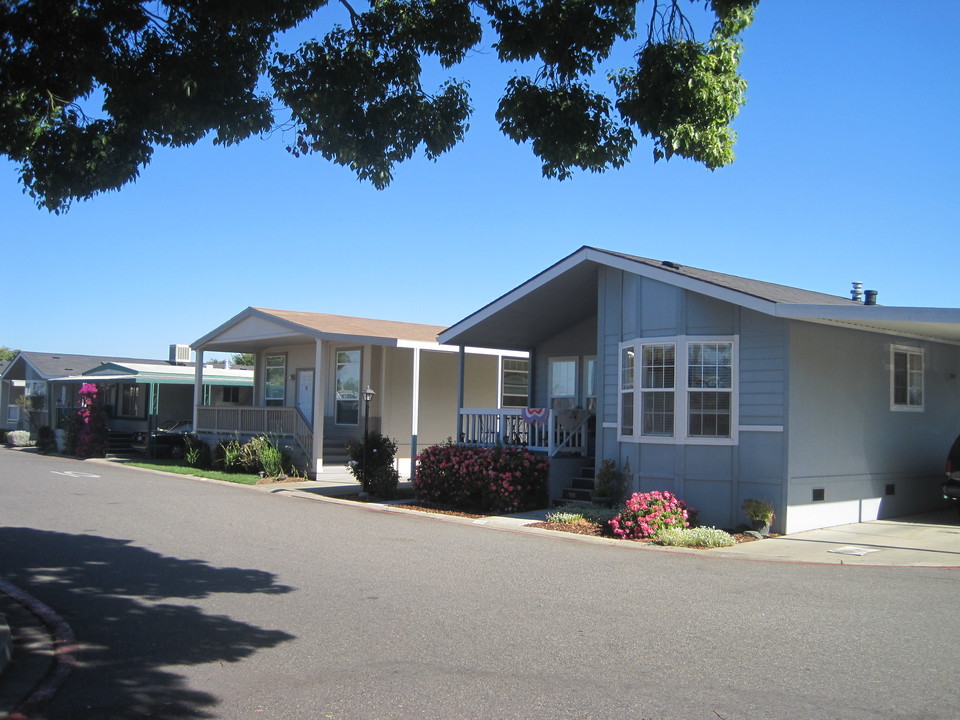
848	162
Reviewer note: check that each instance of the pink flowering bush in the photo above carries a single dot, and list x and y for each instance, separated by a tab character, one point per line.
497	479
646	514
92	432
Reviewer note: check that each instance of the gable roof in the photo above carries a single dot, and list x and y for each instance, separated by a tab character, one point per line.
566	293
262	327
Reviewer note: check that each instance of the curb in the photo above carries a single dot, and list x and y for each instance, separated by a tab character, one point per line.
41	681
6	643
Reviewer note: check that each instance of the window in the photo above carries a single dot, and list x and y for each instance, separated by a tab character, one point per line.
133	400
906	379
231	393
686	390
563	383
627	360
709	383
516	375
590	383
275	380
348	388
657	389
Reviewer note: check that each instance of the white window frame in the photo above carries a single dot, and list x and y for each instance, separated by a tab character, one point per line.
268	401
575	396
681	432
630	389
909	351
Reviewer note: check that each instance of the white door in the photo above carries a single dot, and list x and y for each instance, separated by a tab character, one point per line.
305	393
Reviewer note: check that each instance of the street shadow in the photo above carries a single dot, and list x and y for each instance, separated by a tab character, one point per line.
130	610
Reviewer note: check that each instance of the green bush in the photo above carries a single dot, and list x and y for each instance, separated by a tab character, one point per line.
198	452
46	440
230	455
705	537
591	512
380	477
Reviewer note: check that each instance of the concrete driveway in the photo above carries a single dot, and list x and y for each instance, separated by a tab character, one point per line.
927	540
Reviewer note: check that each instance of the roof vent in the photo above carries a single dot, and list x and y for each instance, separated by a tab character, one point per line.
857	292
870	297
671	265
179	354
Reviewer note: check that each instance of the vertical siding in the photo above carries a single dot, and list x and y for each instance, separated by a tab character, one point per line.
713	478
763	369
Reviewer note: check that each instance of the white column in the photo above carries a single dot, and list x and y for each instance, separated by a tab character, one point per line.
415	405
319	406
460	380
197	386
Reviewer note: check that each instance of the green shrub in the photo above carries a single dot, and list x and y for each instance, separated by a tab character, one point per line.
380	478
198	452
706	537
46	440
230	454
19	438
3	435
591	512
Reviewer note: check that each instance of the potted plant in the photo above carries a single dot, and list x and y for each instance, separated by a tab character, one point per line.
760	513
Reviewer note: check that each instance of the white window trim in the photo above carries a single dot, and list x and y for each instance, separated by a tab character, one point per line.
576	378
621	391
680	390
908	350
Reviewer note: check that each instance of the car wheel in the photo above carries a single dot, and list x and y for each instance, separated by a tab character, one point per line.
176	452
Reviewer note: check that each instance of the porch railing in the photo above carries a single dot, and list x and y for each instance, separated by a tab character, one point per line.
506	426
286	422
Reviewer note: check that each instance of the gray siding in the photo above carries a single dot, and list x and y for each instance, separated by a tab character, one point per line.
846	440
715	479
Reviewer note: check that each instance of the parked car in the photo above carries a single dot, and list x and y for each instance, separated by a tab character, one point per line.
951	486
169	440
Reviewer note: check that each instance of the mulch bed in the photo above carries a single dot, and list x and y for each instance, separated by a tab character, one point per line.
576	528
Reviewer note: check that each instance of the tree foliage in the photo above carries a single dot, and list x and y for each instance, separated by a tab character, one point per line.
170	72
7	353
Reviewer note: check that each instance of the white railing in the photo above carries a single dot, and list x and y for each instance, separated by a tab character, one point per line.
270	421
506	426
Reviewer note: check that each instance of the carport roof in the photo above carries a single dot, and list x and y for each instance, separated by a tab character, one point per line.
567	293
57	365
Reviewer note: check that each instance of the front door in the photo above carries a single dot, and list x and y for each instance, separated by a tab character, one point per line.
305	393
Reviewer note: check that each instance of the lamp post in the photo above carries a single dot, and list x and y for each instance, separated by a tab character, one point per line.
367	397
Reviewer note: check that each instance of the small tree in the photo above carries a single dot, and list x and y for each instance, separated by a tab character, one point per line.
372	464
93	433
248	359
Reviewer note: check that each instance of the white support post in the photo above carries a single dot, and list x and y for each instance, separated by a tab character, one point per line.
415	419
319	407
461	371
197	387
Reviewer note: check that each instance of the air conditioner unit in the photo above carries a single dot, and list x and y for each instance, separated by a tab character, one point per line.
179	354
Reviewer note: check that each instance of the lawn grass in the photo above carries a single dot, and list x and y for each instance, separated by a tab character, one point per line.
181	468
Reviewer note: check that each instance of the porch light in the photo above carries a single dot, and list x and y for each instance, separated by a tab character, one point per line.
368	395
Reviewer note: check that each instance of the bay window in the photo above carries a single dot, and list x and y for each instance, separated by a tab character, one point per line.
686	390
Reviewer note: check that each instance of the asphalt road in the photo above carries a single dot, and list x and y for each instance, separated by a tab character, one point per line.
206	600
